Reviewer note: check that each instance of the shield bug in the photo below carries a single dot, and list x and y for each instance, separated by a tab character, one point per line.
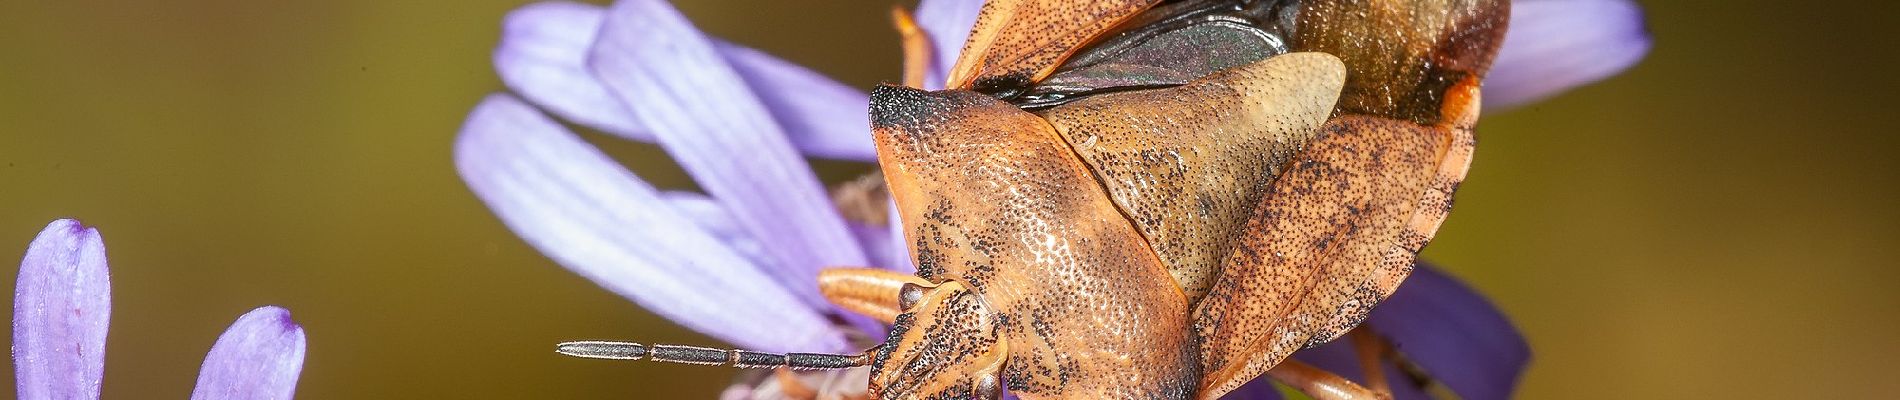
1155	199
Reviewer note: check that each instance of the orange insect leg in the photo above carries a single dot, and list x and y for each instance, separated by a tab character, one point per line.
917	57
1319	384
1372	352
868	291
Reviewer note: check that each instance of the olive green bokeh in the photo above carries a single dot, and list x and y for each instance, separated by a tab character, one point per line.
1718	222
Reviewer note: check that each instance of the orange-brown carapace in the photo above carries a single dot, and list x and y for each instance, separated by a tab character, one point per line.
1159	199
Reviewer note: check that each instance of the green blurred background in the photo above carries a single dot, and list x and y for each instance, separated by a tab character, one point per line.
1718	222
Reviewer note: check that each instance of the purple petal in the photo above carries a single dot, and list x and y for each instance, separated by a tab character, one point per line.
898	249
1555	45
874	238
543	55
259	357
822	117
1340	357
711	216
1439	324
1454	334
594	217
61	306
1261	388
948	24
704	115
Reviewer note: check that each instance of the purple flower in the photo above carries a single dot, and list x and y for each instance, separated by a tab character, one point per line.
63	302
739	263
1555	45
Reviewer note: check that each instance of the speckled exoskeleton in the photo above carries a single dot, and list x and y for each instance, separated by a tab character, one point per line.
1148	199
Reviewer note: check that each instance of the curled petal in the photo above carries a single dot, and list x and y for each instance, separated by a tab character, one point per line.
1555	45
543	56
705	117
948	24
259	357
62	303
594	217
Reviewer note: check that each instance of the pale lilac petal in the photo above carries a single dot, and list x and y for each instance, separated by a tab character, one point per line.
873	237
712	216
62	303
898	249
822	117
947	23
1454	334
543	55
591	215
1555	45
259	357
703	114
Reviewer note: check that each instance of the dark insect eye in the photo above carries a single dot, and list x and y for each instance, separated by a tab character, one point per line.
909	296
988	387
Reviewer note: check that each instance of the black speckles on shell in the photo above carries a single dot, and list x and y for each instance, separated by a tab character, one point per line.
998	202
1325	246
1189	164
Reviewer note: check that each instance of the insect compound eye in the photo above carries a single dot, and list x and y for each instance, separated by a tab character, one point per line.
989	387
909	295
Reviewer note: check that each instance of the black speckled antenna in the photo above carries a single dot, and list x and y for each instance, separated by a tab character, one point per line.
710	356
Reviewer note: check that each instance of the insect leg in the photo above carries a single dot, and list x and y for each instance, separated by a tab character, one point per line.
1372	351
870	291
1319	384
917	57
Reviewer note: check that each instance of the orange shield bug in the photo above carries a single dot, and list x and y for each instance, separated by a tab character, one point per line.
1155	199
